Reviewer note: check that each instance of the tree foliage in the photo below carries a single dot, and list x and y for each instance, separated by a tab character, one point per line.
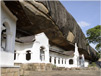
94	36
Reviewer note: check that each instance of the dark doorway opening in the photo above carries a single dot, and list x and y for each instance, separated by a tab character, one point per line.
50	59
59	61
28	55
71	61
14	54
55	60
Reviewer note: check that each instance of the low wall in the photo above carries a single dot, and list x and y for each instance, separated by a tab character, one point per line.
25	69
9	71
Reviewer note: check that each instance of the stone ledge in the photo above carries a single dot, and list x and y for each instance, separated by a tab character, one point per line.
88	68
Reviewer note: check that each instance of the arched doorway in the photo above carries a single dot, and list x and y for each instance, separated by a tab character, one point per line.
28	55
71	61
4	38
42	53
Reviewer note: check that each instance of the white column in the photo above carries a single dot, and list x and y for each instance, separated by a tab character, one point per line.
60	61
67	63
17	56
21	57
36	52
52	60
83	60
31	56
64	62
75	61
56	61
47	54
24	57
78	63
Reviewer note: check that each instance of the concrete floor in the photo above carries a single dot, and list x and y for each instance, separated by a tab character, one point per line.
67	73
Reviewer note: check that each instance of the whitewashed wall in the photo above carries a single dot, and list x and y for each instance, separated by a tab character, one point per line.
65	58
9	20
59	56
42	40
34	47
86	63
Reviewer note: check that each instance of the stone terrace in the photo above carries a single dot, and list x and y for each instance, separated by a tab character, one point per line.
64	73
50	70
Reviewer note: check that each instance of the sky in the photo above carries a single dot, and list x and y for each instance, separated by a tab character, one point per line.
86	13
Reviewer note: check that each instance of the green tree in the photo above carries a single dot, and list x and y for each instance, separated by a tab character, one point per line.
94	36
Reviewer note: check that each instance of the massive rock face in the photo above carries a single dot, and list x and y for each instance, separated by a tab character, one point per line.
53	19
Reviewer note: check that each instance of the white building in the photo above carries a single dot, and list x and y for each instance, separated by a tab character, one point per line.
8	31
69	59
36	49
32	49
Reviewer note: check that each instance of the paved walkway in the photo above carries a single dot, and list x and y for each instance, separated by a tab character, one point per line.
68	73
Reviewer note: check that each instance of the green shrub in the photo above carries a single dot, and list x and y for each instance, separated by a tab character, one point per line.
93	64
54	66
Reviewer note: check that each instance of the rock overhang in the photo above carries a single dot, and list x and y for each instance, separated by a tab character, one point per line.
54	21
